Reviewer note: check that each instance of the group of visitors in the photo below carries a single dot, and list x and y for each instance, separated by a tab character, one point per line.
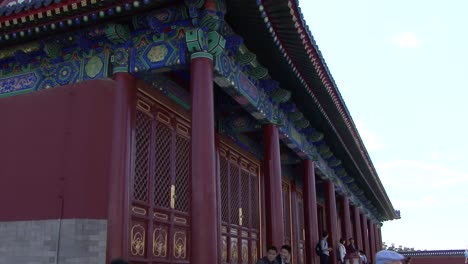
272	256
349	248
345	248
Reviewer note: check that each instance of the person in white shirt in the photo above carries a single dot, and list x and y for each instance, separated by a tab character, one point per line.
325	254
363	257
342	250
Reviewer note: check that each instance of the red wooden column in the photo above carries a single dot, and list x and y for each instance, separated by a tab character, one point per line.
378	239
371	226
118	205
357	227
365	235
204	219
374	229
332	225
346	231
310	212
273	197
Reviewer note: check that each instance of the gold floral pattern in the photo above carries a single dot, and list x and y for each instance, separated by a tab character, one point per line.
138	240
234	253
180	245
224	250
245	251
160	242
254	252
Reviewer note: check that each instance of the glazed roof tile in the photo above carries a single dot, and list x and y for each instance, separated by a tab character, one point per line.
10	7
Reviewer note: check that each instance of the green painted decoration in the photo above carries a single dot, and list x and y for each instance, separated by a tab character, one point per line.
258	72
196	40
281	95
216	43
116	33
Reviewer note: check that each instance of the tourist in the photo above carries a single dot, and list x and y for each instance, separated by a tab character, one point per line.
351	248
270	258
325	253
408	260
285	255
388	257
341	250
119	261
363	256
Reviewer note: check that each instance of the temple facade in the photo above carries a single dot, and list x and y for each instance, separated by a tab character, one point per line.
165	131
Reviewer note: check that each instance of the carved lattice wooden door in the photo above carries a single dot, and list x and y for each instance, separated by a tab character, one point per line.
159	227
286	192
240	214
300	227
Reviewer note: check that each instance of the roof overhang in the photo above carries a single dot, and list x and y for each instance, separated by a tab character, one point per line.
277	33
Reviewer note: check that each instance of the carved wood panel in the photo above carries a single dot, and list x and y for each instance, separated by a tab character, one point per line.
286	192
240	216
160	202
300	227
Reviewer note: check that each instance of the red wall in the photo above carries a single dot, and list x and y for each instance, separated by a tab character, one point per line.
438	260
56	143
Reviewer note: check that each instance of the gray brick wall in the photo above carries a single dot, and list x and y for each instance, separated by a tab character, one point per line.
35	242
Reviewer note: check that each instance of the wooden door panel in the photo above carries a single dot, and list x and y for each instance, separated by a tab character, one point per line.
254	245
286	192
234	250
300	222
240	216
224	249
245	251
138	238
180	244
161	237
160	220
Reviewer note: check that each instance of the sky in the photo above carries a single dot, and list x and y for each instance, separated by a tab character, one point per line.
401	67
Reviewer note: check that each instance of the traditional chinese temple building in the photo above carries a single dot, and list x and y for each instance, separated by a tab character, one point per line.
165	131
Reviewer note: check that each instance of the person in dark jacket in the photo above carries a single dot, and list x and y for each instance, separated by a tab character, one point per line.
285	255
351	248
270	258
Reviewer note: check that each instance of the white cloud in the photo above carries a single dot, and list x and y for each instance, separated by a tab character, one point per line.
371	140
407	40
431	196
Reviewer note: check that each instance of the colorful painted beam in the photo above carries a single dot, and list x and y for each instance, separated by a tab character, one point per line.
46	76
229	75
